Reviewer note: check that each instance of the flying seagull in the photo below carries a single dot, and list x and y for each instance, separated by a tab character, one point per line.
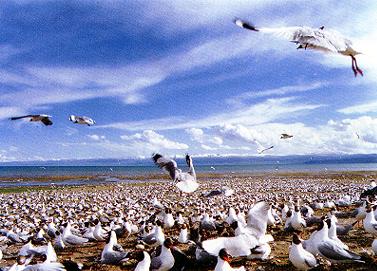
45	119
285	136
82	120
185	181
312	38
262	149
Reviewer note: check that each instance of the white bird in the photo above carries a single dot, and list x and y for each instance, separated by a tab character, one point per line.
45	119
369	222
297	222
144	261
111	256
299	257
168	219
165	261
186	181
330	249
183	234
70	239
236	246
82	120
223	262
312	38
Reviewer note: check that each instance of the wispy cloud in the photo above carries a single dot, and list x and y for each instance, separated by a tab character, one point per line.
360	108
151	140
263	112
280	91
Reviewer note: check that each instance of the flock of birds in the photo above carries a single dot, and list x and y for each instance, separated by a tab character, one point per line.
216	226
46	119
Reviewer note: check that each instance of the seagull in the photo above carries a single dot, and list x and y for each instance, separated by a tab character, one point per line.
82	120
262	149
223	262
299	257
45	119
369	222
331	249
165	261
285	136
185	181
111	256
312	38
143	258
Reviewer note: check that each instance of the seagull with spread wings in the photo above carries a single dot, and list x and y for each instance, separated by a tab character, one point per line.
319	39
82	120
185	181
45	119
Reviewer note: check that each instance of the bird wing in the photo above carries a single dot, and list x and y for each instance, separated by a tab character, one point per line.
167	164
75	240
114	257
257	218
156	263
21	117
46	121
332	251
45	267
188	185
237	246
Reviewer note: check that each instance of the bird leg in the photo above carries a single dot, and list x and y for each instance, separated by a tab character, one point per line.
354	70
355	67
306	46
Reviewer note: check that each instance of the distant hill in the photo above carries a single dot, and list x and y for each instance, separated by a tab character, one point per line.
211	160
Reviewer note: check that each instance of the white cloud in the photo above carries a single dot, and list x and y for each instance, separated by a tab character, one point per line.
97	137
360	108
280	91
263	112
149	139
10	111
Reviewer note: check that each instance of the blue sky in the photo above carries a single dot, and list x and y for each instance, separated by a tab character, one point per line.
179	76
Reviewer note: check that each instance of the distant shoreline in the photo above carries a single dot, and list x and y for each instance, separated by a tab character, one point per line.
20	184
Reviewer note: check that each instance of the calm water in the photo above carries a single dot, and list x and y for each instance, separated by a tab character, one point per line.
105	174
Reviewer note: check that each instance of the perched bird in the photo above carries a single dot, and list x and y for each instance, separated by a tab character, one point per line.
319	39
111	256
331	249
45	119
299	257
185	181
82	120
165	261
143	258
285	136
223	262
369	222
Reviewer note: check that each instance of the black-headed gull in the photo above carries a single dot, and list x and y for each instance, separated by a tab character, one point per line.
319	39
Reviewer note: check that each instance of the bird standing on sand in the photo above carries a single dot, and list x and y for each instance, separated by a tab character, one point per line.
45	119
165	261
186	181
319	39
299	257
